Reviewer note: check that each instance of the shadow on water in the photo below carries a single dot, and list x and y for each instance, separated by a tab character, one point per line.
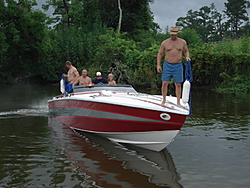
112	165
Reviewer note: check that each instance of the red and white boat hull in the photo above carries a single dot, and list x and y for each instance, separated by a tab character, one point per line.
152	140
134	119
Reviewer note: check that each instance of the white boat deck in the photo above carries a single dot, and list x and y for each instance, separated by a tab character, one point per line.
140	100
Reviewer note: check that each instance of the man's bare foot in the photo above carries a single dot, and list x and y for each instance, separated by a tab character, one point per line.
163	102
178	102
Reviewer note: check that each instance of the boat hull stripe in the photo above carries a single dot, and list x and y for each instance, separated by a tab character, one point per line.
72	111
109	125
115	109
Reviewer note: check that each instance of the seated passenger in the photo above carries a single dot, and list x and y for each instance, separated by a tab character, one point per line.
111	79
99	79
83	80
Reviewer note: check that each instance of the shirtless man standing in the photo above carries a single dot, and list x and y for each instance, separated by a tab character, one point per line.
83	80
172	66
71	76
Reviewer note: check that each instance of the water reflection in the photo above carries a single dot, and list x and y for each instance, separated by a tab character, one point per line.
238	130
213	111
23	151
110	165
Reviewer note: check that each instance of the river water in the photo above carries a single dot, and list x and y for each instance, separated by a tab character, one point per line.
211	150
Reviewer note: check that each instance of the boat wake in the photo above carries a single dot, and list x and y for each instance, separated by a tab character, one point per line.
39	110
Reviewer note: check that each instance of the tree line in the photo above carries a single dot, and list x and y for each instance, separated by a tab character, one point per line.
211	25
34	44
110	36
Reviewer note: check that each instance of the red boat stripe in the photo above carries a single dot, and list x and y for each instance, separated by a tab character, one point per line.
116	120
79	112
100	111
118	109
107	125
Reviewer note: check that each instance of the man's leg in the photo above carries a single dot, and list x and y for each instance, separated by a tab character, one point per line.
178	79
178	92
164	91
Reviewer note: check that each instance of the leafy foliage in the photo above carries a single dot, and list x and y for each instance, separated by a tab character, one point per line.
85	32
212	25
228	71
237	14
22	33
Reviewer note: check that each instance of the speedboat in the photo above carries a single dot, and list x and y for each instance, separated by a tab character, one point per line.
121	114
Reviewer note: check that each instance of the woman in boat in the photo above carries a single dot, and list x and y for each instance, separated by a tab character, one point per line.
111	79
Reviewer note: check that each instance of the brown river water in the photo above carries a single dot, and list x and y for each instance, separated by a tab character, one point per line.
211	150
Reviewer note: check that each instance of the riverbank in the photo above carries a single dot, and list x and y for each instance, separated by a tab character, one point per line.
219	66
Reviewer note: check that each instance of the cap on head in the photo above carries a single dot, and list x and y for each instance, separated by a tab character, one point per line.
174	30
98	73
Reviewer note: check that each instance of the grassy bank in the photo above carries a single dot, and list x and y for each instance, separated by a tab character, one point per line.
234	46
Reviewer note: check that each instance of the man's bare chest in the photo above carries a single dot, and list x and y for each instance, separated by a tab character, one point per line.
84	80
70	72
172	46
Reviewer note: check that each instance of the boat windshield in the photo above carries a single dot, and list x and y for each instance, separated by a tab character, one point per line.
118	87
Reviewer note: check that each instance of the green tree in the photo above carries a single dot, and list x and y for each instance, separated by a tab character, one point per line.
245	30
136	16
191	37
22	32
190	21
220	29
61	12
236	11
207	22
3	43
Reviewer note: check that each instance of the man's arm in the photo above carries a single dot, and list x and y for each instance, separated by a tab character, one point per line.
75	82
159	57
76	76
95	81
186	51
76	73
90	81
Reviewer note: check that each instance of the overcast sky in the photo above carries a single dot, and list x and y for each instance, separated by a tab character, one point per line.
166	12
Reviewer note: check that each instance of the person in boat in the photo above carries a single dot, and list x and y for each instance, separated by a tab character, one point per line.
71	76
172	66
111	80
83	80
99	79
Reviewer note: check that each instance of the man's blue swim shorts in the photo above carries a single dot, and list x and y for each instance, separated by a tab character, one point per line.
172	70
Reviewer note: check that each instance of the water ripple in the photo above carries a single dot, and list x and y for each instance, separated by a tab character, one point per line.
42	111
